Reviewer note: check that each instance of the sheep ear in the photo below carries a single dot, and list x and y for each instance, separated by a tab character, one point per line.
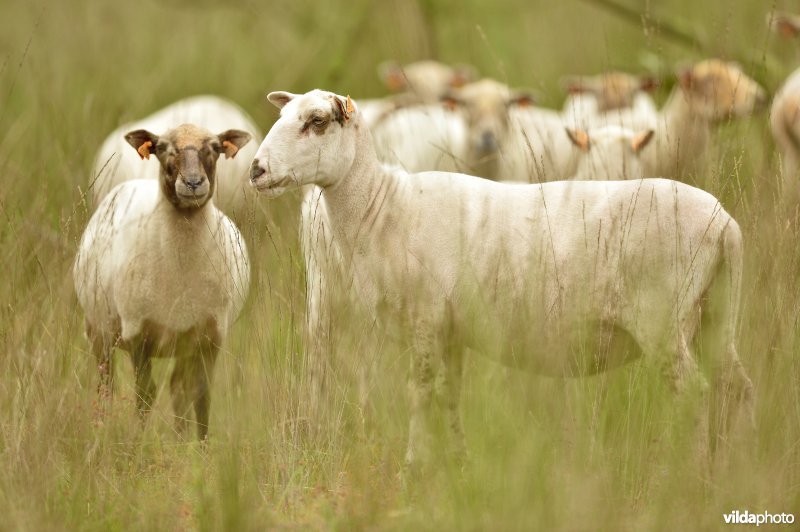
641	140
392	75
344	109
232	141
786	25
522	99
451	102
462	74
143	142
685	78
579	138
280	98
648	83
575	85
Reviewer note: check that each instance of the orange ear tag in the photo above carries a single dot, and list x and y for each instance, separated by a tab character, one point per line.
144	149
230	149
350	108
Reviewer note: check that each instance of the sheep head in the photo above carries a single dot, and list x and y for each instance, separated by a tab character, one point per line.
485	105
313	141
716	90
613	90
188	157
429	80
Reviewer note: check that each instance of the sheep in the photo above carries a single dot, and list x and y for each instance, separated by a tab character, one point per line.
785	113
486	129
486	106
420	83
161	272
426	137
609	153
589	96
706	93
546	277
536	149
115	163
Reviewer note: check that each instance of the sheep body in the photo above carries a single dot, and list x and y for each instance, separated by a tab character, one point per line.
141	261
421	138
514	270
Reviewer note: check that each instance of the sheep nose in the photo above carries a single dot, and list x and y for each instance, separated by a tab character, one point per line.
488	142
194	183
256	171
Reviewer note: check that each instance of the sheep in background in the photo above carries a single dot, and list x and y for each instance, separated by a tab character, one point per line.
609	153
456	258
161	272
785	115
424	137
115	163
419	83
485	129
590	96
706	93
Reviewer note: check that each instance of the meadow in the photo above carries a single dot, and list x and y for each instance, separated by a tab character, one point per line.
601	453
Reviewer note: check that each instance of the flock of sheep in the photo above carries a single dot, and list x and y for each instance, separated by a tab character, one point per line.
575	249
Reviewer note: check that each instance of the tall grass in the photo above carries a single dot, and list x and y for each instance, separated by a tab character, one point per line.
597	453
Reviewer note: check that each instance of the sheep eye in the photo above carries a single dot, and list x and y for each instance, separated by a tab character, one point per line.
319	121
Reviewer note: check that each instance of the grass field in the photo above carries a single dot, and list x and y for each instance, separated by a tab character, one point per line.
598	453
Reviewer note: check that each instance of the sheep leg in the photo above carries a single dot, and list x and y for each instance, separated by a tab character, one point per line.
204	369
734	412
142	366
420	389
453	370
688	384
181	401
102	350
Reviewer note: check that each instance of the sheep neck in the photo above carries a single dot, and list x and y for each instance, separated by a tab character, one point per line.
355	198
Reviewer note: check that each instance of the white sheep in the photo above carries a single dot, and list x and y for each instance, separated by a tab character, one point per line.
508	138
161	272
785	115
486	108
419	83
590	96
706	93
484	129
115	163
424	137
609	153
548	277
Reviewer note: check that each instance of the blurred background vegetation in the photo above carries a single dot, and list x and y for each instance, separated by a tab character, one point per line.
572	455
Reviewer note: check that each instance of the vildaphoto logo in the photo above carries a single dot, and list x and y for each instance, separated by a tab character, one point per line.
765	518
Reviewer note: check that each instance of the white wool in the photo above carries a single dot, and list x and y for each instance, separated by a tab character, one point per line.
140	259
612	154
